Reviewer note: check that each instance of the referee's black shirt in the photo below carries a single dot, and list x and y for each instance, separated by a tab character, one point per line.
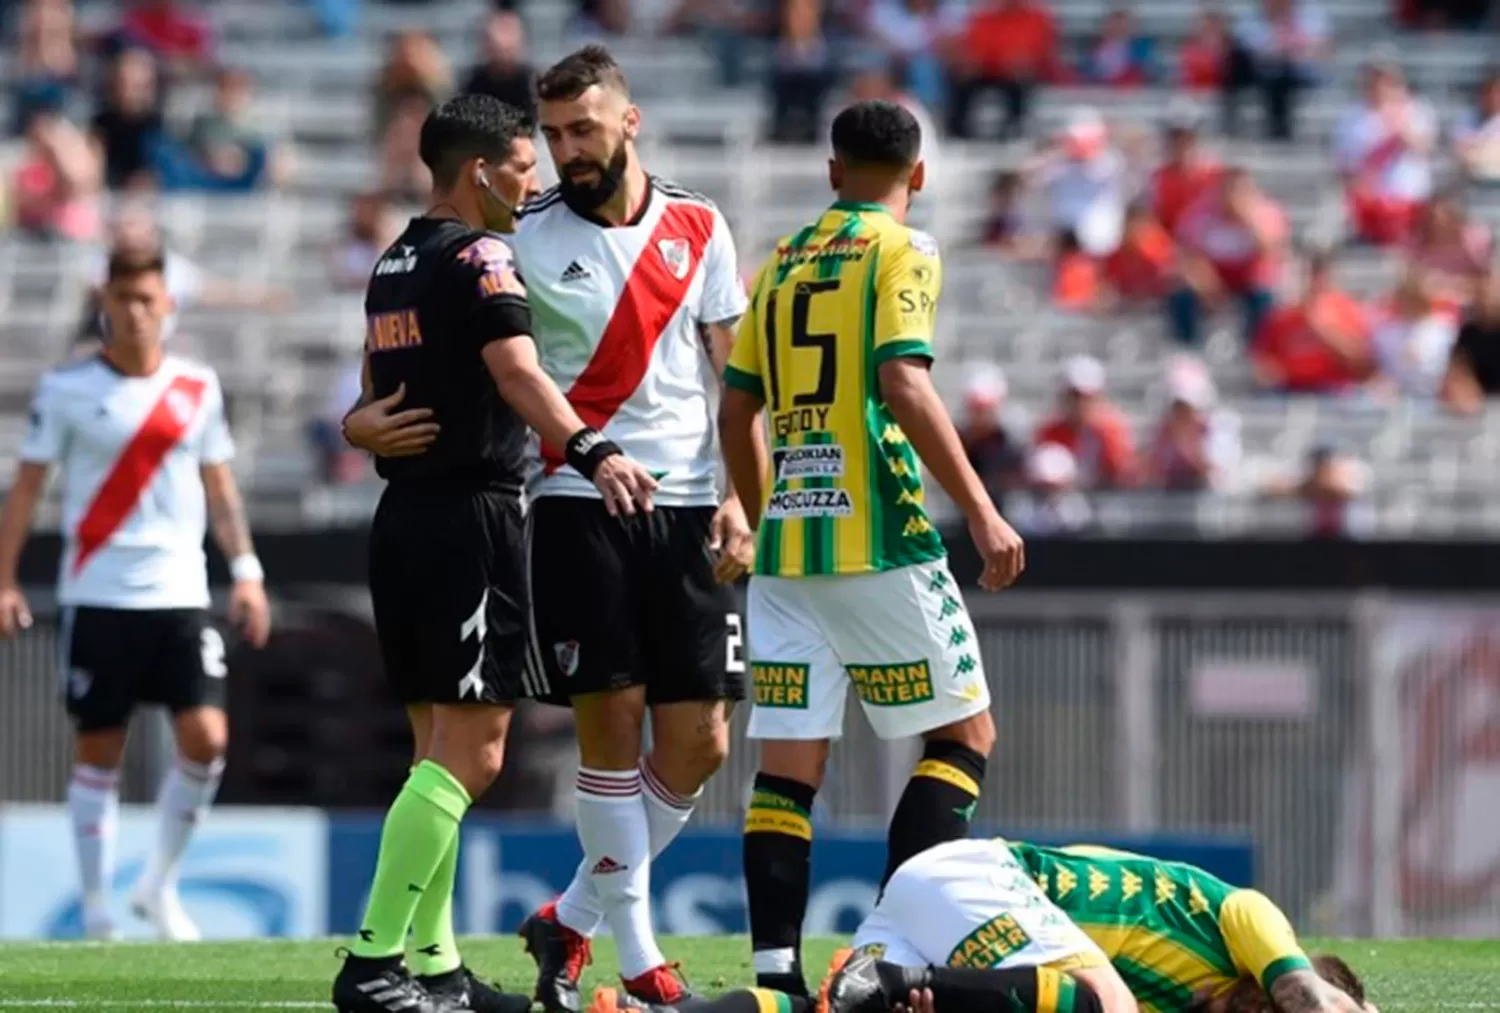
437	296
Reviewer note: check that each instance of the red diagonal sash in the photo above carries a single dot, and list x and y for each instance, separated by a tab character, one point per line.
137	464
654	291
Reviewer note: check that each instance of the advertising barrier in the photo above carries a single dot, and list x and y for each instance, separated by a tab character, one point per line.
301	873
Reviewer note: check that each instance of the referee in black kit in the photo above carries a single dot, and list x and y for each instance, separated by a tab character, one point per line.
447	323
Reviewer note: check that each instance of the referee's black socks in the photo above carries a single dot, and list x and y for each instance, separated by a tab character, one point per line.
938	802
778	857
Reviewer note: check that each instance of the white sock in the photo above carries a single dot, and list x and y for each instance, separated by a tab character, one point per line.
94	803
186	794
666	814
616	839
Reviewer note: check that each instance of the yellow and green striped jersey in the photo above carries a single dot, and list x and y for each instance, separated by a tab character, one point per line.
1174	932
854	289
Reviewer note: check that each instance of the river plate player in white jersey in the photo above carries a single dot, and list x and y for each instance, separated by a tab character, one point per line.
448	335
634	288
144	449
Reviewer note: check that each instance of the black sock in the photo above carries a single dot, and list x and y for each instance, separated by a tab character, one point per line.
1022	989
778	859
750	1000
938	802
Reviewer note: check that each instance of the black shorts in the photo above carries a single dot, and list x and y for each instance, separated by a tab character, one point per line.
451	597
632	601
113	659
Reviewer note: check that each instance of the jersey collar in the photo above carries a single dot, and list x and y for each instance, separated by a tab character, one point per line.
859	205
588	215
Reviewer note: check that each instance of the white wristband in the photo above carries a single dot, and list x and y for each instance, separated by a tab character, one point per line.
246	567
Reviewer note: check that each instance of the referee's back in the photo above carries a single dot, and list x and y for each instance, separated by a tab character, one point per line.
428	313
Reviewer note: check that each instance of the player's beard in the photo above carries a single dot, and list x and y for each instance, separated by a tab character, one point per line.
592	196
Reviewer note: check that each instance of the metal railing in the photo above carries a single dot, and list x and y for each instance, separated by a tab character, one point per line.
1351	739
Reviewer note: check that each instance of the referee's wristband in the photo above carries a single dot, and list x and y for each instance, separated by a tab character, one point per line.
587	449
246	567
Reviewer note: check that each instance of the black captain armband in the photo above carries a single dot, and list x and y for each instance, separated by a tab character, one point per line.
587	449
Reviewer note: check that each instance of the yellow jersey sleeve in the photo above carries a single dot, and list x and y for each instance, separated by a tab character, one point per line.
743	370
1260	939
909	279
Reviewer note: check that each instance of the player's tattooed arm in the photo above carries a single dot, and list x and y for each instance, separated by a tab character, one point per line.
1306	992
226	512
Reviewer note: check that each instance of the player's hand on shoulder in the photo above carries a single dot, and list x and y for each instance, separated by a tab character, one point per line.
625	484
250	612
1001	548
731	542
15	614
385	432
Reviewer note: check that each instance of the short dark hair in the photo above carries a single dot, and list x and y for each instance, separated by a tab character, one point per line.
579	71
469	126
877	133
1339	974
127	264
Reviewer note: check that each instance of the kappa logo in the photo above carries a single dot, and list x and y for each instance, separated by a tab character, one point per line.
567	656
674	253
607	865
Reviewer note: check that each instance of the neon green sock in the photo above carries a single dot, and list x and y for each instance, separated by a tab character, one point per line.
420	829
434	946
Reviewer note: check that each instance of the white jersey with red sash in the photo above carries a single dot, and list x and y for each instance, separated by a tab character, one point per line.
618	314
130	449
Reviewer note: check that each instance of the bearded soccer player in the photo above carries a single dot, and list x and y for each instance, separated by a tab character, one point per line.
851	582
629	278
144	449
448	334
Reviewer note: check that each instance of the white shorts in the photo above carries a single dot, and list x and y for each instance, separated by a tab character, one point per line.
903	638
969	903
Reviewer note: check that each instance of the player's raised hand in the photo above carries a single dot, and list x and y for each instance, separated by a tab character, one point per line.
15	614
625	484
385	432
732	542
250	612
1003	551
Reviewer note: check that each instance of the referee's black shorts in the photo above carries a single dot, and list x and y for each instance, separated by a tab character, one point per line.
452	599
632	601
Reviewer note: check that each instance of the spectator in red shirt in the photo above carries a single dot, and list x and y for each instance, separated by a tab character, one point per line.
1187	172
1008	46
55	190
1232	241
1140	269
1204	53
1317	345
1452	251
179	37
1095	432
1119	58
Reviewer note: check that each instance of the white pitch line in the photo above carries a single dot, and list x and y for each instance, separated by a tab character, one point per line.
155	1004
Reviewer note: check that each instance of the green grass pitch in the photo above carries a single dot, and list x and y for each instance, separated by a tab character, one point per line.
1403	977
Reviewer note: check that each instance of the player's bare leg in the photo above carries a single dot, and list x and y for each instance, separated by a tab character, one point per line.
94	804
465	749
778	857
202	735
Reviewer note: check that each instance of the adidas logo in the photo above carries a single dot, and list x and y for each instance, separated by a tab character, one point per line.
607	865
576	272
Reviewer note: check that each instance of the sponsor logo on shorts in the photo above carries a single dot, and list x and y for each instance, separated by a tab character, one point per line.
820	461
990	945
779	685
892	685
810	503
567	656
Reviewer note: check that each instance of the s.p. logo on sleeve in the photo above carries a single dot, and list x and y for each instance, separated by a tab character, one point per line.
496	266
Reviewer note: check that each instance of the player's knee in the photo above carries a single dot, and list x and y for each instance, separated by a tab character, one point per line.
976	733
103	749
609	728
469	743
804	761
202	735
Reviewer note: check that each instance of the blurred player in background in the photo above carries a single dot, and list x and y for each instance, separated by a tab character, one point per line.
144	449
851	581
447	334
628	275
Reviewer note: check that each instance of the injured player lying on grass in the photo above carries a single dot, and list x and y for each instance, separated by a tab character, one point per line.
989	926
